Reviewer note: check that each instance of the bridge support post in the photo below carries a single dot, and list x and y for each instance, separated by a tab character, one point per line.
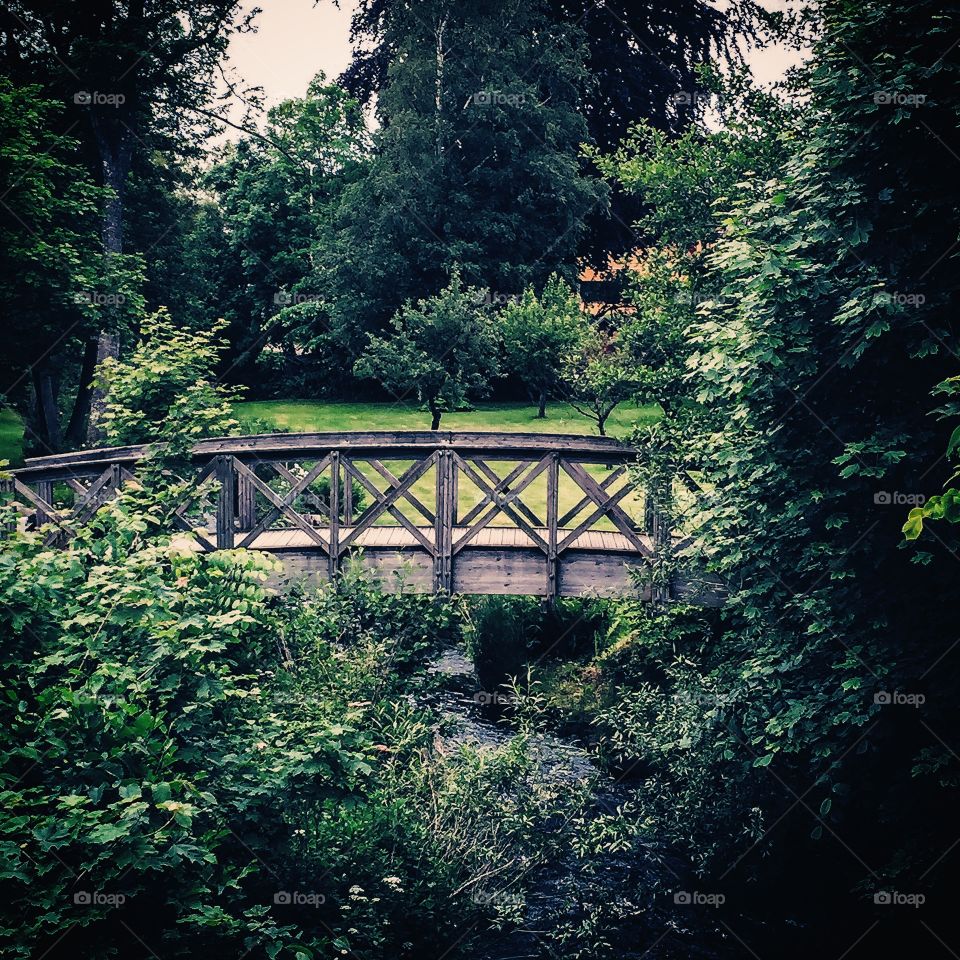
333	558
45	493
246	502
347	498
661	534
443	530
553	505
225	502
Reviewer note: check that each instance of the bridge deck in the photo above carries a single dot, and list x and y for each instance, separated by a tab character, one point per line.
495	560
491	536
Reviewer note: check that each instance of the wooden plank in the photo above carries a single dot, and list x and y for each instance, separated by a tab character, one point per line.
45	494
500	571
369	515
225	501
507	446
96	494
503	486
333	554
282	505
246	503
553	507
588	574
443	536
503	502
387	475
586	500
347	497
607	503
662	536
387	501
498	488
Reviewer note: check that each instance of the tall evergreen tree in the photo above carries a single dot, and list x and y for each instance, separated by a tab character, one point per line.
477	159
641	63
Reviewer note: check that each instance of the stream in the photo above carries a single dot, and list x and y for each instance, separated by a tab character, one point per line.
571	889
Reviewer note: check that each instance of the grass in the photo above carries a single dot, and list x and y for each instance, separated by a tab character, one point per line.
11	436
305	417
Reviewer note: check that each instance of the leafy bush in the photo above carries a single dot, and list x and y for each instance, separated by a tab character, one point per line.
165	387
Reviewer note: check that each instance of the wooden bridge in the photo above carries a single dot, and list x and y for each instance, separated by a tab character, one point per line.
476	513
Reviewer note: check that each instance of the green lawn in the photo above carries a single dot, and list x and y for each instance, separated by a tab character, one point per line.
305	416
11	436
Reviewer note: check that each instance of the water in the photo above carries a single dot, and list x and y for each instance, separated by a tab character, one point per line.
568	891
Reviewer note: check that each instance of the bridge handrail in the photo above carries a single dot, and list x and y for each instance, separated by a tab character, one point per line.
237	472
277	446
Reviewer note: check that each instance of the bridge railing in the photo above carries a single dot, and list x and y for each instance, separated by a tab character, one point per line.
436	493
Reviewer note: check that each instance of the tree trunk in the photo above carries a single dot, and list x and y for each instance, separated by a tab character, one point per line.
601	424
108	345
435	425
77	428
113	141
542	407
48	416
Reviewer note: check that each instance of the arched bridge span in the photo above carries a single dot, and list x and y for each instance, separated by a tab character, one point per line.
476	513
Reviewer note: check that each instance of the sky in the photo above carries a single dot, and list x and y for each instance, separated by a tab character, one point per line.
297	38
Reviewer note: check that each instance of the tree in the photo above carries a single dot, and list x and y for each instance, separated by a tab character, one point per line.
133	74
834	279
443	348
678	183
640	60
270	231
476	161
52	284
538	334
599	375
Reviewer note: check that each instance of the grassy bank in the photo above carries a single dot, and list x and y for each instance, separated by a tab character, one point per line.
308	416
11	436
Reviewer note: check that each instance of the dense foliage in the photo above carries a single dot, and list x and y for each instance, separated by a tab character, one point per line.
194	761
